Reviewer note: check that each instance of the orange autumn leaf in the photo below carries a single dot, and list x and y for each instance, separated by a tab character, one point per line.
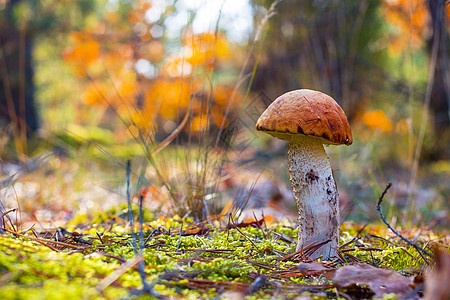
199	123
167	98
249	222
217	117
203	49
227	209
112	93
222	95
377	120
143	122
85	51
94	93
128	86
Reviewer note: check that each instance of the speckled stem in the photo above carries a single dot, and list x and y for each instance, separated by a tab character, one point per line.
315	193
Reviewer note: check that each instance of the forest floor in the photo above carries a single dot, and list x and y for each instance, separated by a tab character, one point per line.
49	250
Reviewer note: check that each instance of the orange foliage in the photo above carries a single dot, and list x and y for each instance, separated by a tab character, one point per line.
410	19
223	94
217	116
377	120
199	123
93	93
109	51
85	51
203	49
166	97
447	11
250	221
128	86
101	93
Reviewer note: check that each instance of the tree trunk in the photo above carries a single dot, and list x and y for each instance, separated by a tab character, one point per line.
17	103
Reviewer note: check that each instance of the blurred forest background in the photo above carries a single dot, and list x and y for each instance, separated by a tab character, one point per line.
178	85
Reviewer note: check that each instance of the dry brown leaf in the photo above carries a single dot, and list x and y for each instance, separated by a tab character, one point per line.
247	223
436	283
306	268
380	281
200	231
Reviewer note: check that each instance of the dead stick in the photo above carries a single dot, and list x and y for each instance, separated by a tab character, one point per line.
393	230
45	240
248	239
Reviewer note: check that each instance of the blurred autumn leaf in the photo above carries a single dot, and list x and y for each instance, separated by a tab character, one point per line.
408	20
377	120
380	281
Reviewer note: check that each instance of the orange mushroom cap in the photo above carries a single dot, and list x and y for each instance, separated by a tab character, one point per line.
306	112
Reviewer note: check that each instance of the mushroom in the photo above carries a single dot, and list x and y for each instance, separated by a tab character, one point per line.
309	119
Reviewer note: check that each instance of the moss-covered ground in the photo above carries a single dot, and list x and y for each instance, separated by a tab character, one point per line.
182	259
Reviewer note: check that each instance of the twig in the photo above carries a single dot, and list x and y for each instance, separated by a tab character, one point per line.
259	226
130	209
264	220
299	251
393	230
147	289
141	222
248	239
282	237
342	257
141	265
362	248
179	238
148	237
99	237
45	241
5	214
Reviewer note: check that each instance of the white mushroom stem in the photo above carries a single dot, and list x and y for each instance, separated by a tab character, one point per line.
315	193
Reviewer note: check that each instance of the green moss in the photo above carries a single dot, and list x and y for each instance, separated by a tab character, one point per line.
178	266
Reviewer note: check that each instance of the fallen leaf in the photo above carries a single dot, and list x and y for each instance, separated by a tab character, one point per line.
201	231
247	223
306	268
436	282
380	281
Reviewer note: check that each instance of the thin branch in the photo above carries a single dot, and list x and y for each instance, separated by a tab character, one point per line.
393	230
248	239
179	238
130	209
45	241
